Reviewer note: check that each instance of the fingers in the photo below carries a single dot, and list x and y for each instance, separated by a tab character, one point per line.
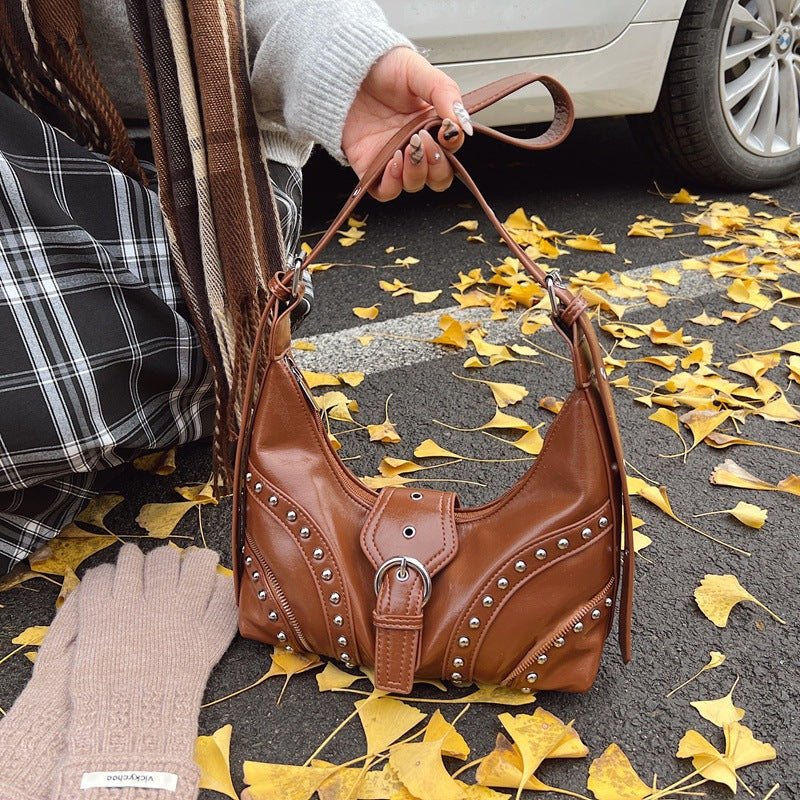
423	163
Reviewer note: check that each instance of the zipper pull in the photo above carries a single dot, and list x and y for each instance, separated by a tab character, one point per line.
300	380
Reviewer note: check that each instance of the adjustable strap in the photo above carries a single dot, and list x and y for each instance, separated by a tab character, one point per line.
409	536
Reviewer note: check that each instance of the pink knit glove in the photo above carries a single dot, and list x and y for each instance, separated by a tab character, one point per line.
33	734
149	632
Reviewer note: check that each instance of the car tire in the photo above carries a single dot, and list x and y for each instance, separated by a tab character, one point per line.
695	129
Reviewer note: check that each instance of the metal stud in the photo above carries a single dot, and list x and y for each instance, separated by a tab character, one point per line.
248	477
416	495
602	522
326	574
563	544
458	662
559	642
256	576
463	641
578	627
502	583
520	566
273	615
342	640
338	621
586	533
609	602
304	533
248	561
289	649
456	676
488	601
273	501
531	677
541	659
335	598
281	637
474	622
262	595
345	657
526	689
596	614
541	554
318	554
258	487
291	516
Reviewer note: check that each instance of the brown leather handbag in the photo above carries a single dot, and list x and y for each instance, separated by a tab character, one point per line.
519	592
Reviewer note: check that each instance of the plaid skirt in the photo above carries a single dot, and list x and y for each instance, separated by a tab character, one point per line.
100	361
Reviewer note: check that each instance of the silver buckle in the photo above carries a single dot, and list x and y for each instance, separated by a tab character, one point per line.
297	276
553	278
404	562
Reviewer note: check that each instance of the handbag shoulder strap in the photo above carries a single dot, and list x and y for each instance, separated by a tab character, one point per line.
568	309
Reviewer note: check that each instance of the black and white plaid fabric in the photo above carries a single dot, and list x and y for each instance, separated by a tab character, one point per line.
99	358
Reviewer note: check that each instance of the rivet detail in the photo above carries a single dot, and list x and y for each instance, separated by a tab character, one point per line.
531	677
326	575
609	602
526	689
541	554
487	601
458	662
474	622
248	477
463	641
291	516
248	561
541	659
520	566
559	642
345	657
578	627
342	641
335	598
338	621
596	614
258	487
502	583
563	544
273	501
262	595
586	533
304	533
281	636
273	615
456	676
256	576
318	554
602	522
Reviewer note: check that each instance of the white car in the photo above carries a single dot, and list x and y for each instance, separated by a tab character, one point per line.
711	87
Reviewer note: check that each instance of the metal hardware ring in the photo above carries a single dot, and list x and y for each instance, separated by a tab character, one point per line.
404	562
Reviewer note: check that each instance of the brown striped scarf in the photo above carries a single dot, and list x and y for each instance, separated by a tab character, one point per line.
214	187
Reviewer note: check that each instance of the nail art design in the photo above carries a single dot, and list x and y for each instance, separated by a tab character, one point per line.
462	115
416	154
449	129
437	156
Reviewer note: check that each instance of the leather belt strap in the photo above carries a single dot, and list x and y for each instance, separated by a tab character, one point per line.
409	536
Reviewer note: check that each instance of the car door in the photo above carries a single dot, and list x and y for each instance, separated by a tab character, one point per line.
472	30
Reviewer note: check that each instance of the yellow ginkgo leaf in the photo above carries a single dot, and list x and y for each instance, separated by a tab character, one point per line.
97	510
302	344
729	473
530	442
315	379
718	594
590	243
160	519
351	378
161	462
535	735
497	695
715	659
419	767
282	781
365	340
551	404
684	198
213	755
706	320
68	585
465	224
425	297
505	394
720	711
386	431
701	422
31	637
741	750
366	312
451	742
747	513
385	720
611	777
334	678
503	768
68	550
429	449
668	418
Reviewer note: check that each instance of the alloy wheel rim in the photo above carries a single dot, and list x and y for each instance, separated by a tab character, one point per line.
759	75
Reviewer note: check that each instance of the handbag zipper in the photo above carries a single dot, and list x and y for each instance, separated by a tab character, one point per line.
529	661
281	597
300	380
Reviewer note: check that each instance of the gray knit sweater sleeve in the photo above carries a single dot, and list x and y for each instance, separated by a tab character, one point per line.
308	59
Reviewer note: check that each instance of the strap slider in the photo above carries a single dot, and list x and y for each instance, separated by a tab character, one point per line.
552	279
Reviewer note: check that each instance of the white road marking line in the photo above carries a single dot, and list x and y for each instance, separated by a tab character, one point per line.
339	351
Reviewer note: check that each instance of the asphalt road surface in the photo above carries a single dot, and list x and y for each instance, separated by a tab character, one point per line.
597	181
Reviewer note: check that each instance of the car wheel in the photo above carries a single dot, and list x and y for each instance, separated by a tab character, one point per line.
729	109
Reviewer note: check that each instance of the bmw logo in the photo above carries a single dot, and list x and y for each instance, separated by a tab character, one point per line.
784	39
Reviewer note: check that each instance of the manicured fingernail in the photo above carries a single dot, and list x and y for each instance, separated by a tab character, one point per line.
416	153
449	129
395	168
432	150
462	115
